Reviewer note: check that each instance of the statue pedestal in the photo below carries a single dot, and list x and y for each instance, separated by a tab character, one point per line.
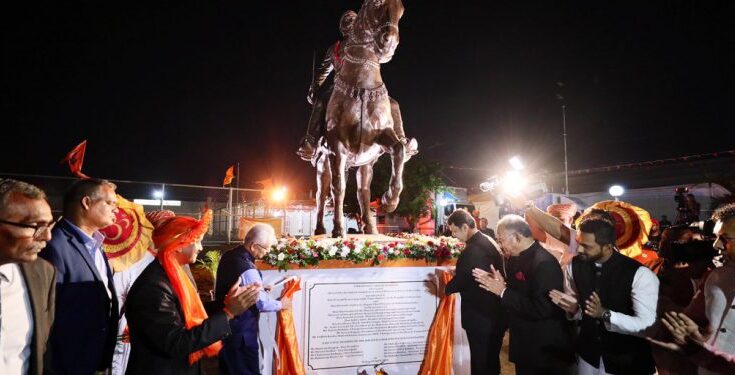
349	316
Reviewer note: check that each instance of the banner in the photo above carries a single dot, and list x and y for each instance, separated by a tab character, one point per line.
129	238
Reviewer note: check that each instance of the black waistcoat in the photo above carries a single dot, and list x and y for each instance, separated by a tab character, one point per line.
622	354
233	263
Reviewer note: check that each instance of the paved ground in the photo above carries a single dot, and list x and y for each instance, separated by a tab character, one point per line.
507	368
210	366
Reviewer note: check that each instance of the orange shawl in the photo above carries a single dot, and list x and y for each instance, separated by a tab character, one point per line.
172	234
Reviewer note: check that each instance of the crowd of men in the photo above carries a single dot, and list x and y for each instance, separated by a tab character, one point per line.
573	304
58	305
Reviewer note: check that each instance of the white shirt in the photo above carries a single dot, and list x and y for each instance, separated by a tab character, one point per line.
719	297
644	293
16	330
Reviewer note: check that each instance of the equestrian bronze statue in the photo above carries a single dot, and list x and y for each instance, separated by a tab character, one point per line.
360	118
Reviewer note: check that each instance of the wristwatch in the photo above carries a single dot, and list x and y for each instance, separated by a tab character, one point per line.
606	316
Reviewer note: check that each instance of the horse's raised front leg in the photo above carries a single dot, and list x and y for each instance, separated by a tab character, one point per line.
323	182
397	151
337	162
364	179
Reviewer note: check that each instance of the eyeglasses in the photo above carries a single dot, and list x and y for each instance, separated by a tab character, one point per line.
261	247
38	229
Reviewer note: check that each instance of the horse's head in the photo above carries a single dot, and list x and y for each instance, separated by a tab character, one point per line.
377	22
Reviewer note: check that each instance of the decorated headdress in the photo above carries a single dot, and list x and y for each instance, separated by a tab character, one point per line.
171	234
175	232
632	225
344	29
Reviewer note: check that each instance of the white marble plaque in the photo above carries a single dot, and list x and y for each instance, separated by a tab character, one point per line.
366	323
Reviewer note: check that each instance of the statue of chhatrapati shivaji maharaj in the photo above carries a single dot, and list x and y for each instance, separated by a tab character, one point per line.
321	89
362	121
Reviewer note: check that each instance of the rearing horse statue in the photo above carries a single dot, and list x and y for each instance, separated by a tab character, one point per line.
358	118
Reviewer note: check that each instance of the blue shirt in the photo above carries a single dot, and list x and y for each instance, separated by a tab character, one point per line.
93	245
265	302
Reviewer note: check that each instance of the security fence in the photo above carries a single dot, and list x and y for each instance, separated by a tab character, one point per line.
230	205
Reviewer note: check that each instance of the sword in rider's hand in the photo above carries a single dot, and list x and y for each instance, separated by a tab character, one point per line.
313	77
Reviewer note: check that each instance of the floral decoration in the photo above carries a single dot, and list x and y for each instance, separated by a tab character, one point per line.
292	252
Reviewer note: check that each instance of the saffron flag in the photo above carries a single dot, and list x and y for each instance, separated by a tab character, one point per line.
129	238
229	175
75	158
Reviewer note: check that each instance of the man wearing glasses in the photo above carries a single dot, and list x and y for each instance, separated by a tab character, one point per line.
240	353
27	284
83	337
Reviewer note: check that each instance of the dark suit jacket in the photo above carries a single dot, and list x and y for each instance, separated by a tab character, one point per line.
481	310
539	331
85	329
40	278
159	341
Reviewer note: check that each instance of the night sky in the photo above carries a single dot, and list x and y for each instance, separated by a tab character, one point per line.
177	92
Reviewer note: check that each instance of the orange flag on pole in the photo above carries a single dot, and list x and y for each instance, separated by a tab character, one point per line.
75	158
229	175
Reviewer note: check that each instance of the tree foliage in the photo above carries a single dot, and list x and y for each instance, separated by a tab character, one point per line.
421	179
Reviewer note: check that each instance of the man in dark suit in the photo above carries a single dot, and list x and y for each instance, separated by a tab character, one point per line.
540	340
27	284
482	316
240	355
84	334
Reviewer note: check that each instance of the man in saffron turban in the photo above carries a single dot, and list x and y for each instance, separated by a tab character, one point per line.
169	329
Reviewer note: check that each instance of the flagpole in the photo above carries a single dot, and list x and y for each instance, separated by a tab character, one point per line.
237	184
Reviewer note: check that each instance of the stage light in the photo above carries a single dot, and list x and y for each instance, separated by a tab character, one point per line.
514	183
616	191
279	194
158	194
516	163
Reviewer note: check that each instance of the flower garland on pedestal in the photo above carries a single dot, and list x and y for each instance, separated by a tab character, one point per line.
290	252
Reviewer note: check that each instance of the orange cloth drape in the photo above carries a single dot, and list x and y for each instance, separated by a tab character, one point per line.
288	361
438	355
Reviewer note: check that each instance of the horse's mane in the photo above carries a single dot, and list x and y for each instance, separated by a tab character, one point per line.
361	30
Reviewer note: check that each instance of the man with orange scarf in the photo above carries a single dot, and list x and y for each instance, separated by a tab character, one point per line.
169	328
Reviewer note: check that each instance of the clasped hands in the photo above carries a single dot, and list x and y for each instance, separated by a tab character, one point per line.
568	302
491	281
